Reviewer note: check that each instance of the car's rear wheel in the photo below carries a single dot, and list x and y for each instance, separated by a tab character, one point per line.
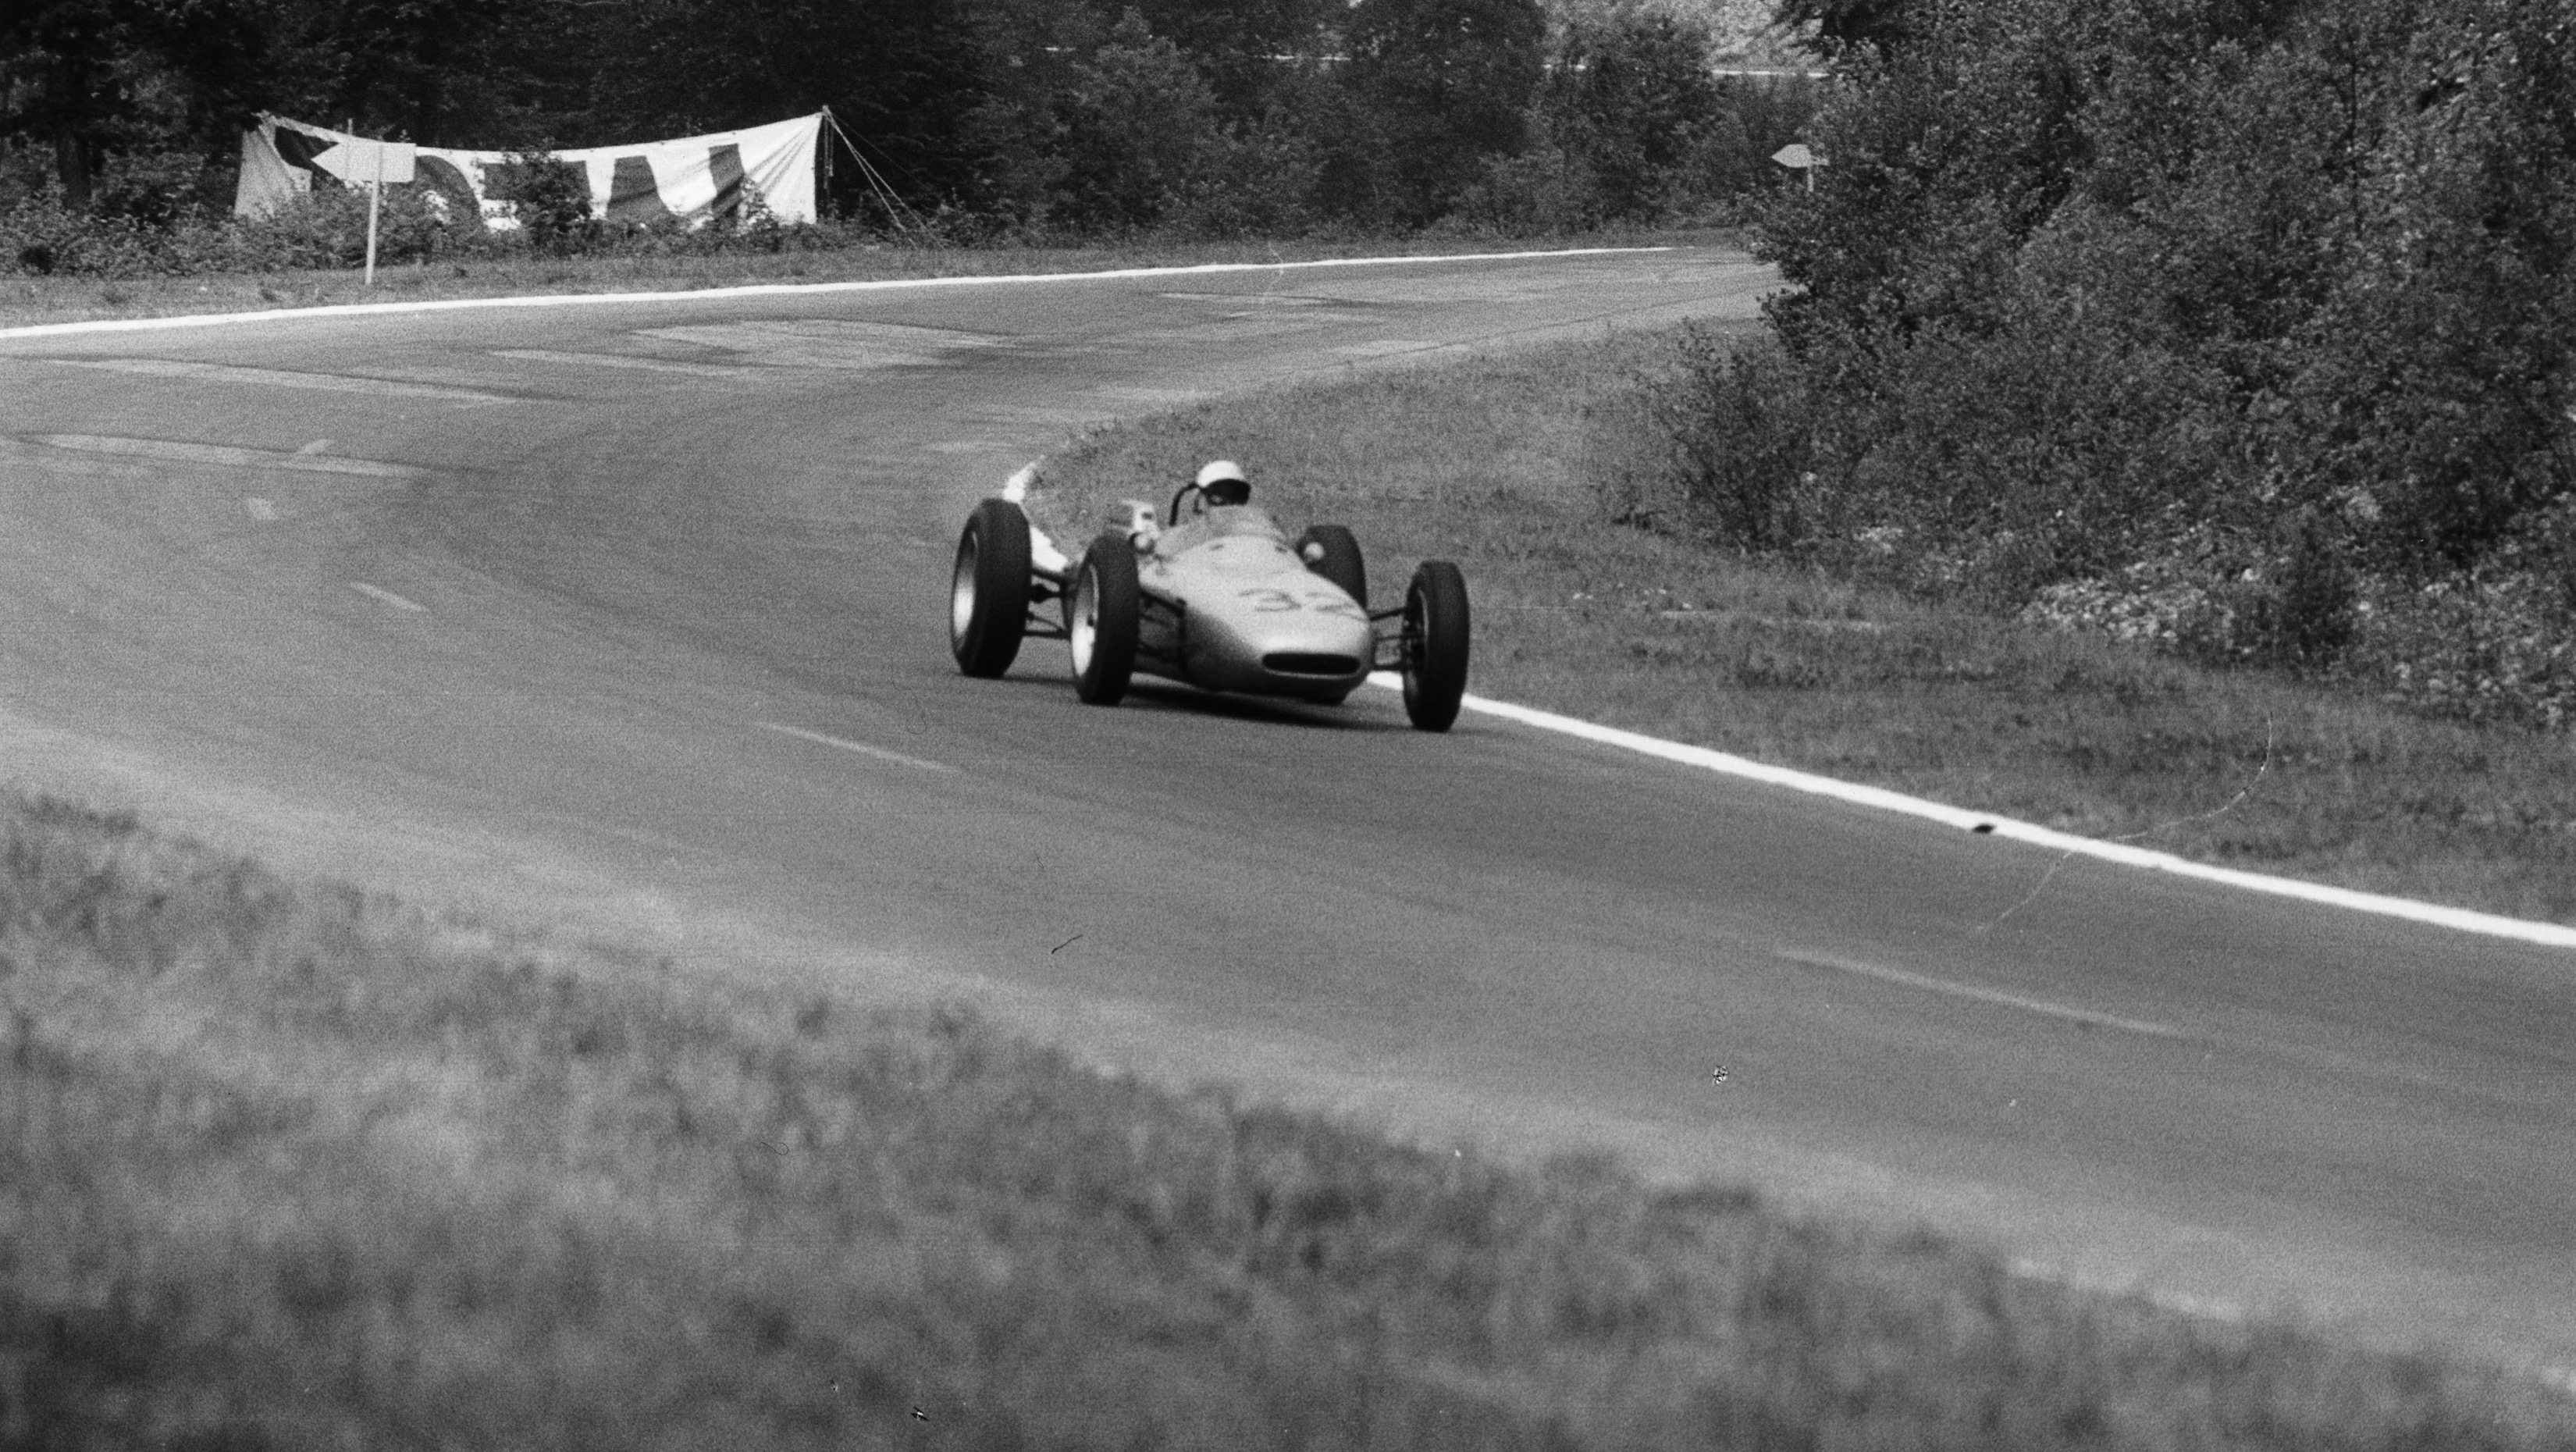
1100	620
1330	551
1435	645
988	595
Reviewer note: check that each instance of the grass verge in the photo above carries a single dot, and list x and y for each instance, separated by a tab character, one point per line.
26	299
284	1165
1518	467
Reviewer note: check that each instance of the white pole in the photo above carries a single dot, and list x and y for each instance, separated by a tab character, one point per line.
375	199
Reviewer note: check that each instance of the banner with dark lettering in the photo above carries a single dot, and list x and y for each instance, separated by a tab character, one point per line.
694	179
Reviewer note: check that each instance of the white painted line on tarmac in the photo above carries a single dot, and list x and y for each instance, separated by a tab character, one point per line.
284	378
386	597
767	289
1951	988
263	510
860	747
303	460
622	360
2549	935
1256	299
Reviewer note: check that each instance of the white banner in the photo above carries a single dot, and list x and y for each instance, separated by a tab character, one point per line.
695	179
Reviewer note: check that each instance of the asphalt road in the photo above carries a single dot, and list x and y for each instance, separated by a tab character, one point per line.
632	618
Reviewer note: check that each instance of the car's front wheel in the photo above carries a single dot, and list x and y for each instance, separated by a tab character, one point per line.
1435	645
1100	620
988	593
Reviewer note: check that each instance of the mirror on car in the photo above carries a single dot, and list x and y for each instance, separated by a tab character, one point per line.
1137	518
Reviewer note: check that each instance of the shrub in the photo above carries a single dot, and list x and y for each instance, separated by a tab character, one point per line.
1749	458
1628	100
2488	645
1257	182
327	228
2317	592
1448	84
2242	329
753	225
549	197
2496	642
1544	189
38	235
1629	127
1113	139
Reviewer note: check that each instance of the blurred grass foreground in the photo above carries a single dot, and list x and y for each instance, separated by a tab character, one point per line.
287	1165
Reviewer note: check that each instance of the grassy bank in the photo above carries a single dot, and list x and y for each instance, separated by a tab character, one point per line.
1518	466
30	299
285	1166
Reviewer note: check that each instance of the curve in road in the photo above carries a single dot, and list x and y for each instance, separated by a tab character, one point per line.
632	615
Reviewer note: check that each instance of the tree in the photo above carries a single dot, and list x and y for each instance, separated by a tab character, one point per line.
1839	26
1112	140
79	75
402	65
1630	94
1448	84
1245	48
901	75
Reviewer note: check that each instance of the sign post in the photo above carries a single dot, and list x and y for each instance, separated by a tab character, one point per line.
1797	157
378	162
375	205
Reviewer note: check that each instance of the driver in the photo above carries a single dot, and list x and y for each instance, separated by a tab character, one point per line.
1221	484
1215	505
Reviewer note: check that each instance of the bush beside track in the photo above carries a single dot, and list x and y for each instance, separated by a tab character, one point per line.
2249	330
287	1165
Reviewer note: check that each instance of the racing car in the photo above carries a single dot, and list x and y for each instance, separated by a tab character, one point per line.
1213	594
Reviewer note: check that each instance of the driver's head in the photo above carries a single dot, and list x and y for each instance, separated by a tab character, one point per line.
1222	482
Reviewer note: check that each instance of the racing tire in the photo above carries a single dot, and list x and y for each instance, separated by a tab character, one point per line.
1100	620
988	595
1337	559
1435	645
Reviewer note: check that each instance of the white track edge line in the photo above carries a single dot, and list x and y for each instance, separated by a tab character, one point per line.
1952	988
762	289
2550	935
383	596
860	748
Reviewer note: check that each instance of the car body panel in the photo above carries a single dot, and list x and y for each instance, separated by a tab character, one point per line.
1231	607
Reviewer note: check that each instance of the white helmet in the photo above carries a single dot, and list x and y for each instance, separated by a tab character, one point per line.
1222	482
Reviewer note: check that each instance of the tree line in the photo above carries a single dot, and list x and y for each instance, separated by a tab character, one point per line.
2243	326
1052	118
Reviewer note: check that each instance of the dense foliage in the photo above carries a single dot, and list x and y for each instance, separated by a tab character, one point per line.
2240	325
1028	119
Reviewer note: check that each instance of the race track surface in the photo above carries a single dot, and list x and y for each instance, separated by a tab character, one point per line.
633	617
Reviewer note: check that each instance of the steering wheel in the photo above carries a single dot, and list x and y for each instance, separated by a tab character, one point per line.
1184	492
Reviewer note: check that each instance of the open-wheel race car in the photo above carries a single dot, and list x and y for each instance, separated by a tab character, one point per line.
1215	594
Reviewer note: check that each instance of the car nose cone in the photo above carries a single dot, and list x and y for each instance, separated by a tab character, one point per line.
1292	635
